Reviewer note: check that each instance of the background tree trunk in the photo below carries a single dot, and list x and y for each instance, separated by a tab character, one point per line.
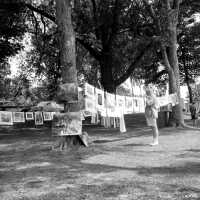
174	87
190	91
187	80
169	36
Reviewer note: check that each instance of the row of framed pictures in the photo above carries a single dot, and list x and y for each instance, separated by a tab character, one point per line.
115	105
109	104
8	117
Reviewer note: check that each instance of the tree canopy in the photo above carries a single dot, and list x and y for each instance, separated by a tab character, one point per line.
12	29
114	39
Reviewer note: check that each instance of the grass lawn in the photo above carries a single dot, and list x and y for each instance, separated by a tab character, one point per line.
114	167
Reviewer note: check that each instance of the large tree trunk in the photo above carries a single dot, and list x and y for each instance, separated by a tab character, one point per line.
169	36
66	38
67	41
106	73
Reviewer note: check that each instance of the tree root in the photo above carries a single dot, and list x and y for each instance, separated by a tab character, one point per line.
73	141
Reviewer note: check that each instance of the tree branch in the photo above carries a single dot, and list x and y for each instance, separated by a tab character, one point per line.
36	25
96	54
165	58
150	9
95	18
134	64
152	14
167	2
124	30
115	21
42	12
159	74
176	4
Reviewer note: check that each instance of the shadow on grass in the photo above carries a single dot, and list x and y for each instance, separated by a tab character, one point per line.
104	141
191	153
187	168
68	167
194	150
136	145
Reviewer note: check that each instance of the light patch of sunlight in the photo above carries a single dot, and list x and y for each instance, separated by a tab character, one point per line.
32	165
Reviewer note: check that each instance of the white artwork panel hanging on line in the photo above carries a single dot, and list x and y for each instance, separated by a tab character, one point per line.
136	107
18	117
38	118
120	101
128	105
89	90
163	100
90	105
141	105
6	118
29	116
47	116
111	105
173	99
100	101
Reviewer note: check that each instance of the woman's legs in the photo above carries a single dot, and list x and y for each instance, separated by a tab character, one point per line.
195	122
155	134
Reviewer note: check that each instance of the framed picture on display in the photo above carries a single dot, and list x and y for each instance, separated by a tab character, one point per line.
129	105
90	105
29	116
18	117
111	105
100	100
136	105
6	118
38	118
120	103
89	90
67	124
47	116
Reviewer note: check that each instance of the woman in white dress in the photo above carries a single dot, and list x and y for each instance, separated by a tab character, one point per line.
151	113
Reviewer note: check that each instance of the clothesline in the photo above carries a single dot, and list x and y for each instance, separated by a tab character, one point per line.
111	105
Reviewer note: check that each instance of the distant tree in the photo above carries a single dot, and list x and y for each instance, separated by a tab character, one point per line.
5	81
121	35
12	29
189	43
105	29
188	56
163	23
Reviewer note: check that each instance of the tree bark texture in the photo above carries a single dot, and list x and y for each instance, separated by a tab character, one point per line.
67	41
169	21
66	38
107	80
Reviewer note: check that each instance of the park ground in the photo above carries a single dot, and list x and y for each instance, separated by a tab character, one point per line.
115	166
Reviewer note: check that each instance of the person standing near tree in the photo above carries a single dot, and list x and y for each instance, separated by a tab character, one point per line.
194	114
151	113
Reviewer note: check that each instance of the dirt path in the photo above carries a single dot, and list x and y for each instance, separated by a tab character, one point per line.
114	167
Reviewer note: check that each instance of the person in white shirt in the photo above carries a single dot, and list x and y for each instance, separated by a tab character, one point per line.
151	113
